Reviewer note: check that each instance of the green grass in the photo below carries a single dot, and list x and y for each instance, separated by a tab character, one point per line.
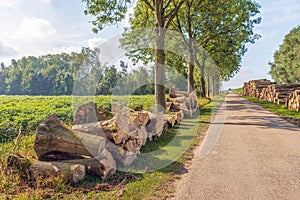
277	109
238	91
168	153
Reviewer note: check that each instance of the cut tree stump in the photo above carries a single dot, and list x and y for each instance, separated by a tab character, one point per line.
86	113
172	107
177	99
141	118
170	119
96	128
51	136
55	142
155	126
176	93
72	173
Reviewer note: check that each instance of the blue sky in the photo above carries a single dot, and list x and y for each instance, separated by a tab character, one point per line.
36	27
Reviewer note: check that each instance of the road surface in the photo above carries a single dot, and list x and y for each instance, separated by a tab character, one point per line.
257	156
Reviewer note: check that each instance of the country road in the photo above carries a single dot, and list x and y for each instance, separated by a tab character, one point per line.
257	156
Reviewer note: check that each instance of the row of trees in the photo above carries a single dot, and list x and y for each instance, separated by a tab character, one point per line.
44	75
208	28
79	74
286	65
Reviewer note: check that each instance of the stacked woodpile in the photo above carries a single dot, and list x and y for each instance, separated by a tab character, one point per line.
101	141
254	88
287	94
293	101
278	93
181	101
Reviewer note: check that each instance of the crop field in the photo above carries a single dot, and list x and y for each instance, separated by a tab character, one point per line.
24	113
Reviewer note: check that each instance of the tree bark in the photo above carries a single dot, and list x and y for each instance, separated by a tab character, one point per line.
51	137
72	173
202	75
55	142
94	167
160	59
191	69
208	85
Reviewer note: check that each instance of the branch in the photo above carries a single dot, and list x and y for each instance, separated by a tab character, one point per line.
168	3
180	29
174	13
149	5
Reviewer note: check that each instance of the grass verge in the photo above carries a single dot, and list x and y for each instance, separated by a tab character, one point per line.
171	152
290	115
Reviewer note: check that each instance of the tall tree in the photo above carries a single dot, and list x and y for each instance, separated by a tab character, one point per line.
3	76
217	28
163	11
286	65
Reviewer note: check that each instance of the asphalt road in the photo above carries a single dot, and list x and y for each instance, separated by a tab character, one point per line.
257	156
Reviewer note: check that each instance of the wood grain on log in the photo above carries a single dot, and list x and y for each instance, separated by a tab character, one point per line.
51	136
72	173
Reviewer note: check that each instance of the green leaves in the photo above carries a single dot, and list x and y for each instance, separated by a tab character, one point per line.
286	65
107	12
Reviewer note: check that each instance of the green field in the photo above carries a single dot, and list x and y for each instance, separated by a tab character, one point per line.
170	151
26	112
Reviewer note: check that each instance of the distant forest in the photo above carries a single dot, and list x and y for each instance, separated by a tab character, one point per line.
78	74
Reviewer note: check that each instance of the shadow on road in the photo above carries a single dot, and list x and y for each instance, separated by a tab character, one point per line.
262	118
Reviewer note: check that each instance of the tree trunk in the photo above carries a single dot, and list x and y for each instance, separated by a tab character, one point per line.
93	167
160	70
51	137
202	75
72	173
191	67
55	142
214	86
208	85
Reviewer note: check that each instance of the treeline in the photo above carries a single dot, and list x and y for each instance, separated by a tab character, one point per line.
285	69
79	74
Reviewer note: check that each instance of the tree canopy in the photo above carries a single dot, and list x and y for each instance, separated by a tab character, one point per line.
286	65
66	74
221	28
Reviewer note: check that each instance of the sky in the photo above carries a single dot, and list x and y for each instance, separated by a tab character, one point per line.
37	27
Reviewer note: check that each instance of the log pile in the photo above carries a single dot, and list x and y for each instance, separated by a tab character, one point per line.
101	141
182	101
278	93
287	94
293	101
254	88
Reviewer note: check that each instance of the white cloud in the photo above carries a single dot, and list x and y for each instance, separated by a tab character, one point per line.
63	50
46	1
95	42
9	4
6	49
35	27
